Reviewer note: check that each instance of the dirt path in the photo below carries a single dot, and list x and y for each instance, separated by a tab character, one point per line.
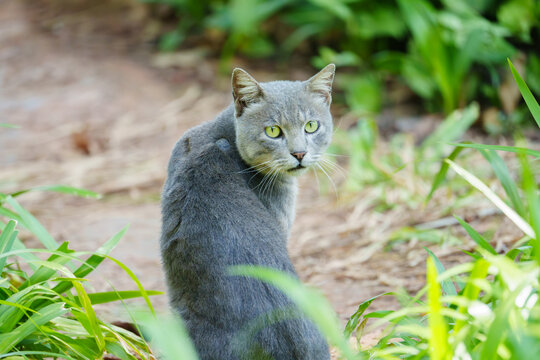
107	120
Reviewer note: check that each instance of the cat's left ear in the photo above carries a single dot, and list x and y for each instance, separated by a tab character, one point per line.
246	90
321	83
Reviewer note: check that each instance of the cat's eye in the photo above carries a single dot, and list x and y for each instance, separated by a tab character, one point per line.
273	131
311	126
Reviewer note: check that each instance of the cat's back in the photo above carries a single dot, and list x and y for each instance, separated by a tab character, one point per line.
222	127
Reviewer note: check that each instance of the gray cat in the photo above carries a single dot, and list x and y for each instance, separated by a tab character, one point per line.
229	199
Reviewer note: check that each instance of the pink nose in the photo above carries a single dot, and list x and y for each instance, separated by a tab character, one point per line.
299	155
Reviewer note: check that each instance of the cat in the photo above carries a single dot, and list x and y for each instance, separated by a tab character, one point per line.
229	199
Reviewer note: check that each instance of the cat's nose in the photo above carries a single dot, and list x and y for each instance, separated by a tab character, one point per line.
299	155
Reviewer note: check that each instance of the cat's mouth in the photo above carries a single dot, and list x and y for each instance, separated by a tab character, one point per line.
299	167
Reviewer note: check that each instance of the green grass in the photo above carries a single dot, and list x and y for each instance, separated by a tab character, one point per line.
45	309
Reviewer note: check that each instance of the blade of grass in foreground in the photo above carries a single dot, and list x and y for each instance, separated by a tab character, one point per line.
313	304
509	185
31	223
133	277
484	189
471	291
441	175
531	191
93	261
447	285
110	296
171	338
438	338
6	240
531	102
478	239
513	149
11	339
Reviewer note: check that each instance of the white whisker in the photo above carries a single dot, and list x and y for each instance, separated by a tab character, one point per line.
329	178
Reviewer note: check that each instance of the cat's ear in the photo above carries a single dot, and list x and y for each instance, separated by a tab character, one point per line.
321	83
246	90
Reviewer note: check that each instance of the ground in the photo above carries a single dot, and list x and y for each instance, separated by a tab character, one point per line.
97	110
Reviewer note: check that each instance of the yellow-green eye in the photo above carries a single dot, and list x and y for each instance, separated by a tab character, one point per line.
273	131
311	126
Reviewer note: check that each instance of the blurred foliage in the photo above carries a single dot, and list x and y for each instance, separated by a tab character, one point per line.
449	52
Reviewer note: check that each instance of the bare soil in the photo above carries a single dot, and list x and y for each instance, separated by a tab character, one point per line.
98	110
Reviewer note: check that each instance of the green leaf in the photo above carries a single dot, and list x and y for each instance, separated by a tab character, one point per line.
484	189
313	304
502	173
7	238
11	126
438	339
531	102
441	175
531	190
447	285
93	261
93	328
478	239
61	189
11	339
49	268
133	277
171	338
110	296
472	291
355	318
31	223
513	149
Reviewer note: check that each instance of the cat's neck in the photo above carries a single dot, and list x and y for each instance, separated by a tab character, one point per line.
278	194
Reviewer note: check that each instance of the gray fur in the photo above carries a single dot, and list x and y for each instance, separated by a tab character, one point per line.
221	208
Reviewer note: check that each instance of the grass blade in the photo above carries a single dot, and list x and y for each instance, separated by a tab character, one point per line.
513	149
91	318
31	223
478	239
531	191
502	173
171	338
93	261
447	285
11	339
7	238
441	175
110	296
472	291
531	102
355	318
61	189
438	339
133	277
313	304
484	189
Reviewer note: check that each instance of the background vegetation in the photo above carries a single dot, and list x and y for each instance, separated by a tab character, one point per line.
448	52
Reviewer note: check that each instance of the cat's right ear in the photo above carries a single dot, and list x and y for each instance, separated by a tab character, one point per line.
246	90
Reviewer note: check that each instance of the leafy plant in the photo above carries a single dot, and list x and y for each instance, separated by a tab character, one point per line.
45	310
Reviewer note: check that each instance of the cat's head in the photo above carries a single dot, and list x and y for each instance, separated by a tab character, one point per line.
283	127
